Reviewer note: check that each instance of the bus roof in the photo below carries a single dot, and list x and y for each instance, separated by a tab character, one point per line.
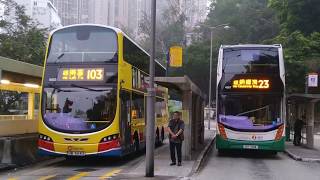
251	46
117	30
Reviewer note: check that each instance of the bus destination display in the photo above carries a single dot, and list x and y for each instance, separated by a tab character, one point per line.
81	74
251	83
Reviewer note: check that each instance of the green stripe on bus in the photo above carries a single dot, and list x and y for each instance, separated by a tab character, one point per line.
262	145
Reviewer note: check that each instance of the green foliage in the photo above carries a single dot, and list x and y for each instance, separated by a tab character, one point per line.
251	21
298	15
170	30
292	23
301	55
300	37
20	38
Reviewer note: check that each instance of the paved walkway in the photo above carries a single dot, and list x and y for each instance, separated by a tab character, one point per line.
301	153
162	161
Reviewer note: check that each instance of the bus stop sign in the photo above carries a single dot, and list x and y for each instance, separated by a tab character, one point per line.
175	56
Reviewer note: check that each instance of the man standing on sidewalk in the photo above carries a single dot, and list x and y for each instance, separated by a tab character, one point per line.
297	131
175	129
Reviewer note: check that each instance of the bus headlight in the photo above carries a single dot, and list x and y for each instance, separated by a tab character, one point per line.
222	131
279	133
109	138
45	138
109	142
45	142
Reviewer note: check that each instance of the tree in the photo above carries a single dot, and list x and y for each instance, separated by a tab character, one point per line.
170	30
20	38
251	21
300	38
298	15
260	23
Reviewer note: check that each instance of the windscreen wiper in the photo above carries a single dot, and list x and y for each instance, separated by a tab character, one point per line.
59	57
55	87
90	89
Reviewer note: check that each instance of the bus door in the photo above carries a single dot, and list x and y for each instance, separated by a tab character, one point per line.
125	119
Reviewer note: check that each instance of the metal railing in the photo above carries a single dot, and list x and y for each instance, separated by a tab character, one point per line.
13	117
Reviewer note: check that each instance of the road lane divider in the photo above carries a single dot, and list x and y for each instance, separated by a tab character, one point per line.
78	176
47	177
110	174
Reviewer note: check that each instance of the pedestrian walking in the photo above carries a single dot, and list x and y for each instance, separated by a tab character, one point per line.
176	137
298	124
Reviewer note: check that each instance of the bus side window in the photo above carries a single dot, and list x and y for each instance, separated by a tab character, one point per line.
137	110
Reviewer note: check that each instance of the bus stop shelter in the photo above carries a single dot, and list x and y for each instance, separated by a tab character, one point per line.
192	111
300	105
20	85
19	96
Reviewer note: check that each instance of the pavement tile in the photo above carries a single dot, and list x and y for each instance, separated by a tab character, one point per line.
4	167
302	153
161	164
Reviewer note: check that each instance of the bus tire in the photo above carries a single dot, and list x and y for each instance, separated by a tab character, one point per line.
136	144
157	137
221	152
162	135
273	153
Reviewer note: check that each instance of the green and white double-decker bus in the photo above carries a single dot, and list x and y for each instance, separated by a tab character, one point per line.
250	95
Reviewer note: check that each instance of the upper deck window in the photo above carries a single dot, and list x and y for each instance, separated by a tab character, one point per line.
250	60
83	44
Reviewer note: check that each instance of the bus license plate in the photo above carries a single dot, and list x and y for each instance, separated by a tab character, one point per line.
75	153
250	147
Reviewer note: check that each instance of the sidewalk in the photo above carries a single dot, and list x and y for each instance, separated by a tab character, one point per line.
301	153
162	160
4	167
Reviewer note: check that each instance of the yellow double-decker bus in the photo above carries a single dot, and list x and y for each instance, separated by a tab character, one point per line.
94	92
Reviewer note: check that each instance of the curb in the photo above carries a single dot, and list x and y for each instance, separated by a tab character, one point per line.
7	167
202	156
299	158
14	167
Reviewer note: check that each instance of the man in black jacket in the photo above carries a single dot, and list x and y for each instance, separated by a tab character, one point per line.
298	124
175	129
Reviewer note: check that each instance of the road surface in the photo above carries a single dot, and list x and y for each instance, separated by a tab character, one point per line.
256	166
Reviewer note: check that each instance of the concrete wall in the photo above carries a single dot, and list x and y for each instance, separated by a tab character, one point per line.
15	127
19	150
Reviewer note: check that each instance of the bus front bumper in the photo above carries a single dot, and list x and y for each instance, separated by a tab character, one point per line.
108	149
256	145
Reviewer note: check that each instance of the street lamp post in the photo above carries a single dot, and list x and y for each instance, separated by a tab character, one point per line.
225	26
151	99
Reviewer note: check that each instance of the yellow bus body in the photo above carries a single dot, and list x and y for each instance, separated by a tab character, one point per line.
88	144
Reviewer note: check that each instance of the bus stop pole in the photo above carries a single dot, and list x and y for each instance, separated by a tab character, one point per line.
151	99
210	79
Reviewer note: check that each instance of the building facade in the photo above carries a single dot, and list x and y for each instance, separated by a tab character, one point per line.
42	11
124	14
72	11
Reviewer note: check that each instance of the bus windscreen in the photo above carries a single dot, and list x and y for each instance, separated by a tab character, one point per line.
255	60
83	44
249	111
78	110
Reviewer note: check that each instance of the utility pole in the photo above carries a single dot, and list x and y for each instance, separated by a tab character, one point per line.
210	79
225	26
151	99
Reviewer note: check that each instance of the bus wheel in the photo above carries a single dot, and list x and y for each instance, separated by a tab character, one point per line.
221	152
162	135
273	153
136	143
157	137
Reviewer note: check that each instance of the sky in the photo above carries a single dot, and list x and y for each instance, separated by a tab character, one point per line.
1	11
